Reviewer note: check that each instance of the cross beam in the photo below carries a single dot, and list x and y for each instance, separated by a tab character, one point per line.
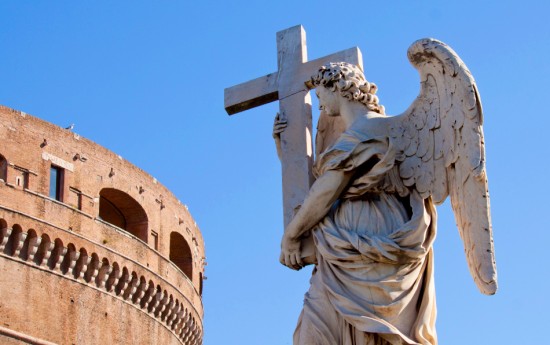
272	87
287	85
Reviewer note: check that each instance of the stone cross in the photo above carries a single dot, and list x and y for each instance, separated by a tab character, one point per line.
287	85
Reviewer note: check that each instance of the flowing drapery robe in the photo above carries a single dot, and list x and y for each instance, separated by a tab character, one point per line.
373	281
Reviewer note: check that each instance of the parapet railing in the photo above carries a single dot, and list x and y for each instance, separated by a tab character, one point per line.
98	272
118	230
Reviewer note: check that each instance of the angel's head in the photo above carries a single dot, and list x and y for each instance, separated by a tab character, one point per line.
350	82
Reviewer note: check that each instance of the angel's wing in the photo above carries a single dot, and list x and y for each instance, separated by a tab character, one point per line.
441	150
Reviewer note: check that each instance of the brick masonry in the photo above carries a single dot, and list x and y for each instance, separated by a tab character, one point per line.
93	250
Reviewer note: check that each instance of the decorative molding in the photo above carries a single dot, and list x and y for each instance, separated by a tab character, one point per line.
58	161
167	260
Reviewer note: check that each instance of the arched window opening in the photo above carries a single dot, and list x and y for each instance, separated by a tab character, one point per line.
3	168
180	254
121	210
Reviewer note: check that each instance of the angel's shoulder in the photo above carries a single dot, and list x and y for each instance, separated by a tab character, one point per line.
376	127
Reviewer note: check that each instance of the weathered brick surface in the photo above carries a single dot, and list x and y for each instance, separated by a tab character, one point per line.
67	276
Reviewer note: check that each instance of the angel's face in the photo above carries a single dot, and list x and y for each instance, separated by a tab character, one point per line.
328	101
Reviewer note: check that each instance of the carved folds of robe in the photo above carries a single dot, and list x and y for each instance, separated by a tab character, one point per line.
373	282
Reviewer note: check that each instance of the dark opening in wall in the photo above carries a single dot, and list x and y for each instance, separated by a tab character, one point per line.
180	254
56	182
155	240
3	168
123	211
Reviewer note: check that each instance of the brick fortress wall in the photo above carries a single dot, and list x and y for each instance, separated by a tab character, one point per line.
93	250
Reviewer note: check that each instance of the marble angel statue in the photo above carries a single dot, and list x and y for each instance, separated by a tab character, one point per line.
371	208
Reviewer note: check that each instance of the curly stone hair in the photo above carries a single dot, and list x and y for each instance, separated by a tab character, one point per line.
350	81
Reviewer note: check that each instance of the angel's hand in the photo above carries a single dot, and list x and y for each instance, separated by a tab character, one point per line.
279	125
290	253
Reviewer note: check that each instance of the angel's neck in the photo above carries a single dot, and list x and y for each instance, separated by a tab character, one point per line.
350	111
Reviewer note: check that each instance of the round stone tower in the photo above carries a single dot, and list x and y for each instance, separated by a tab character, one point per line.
93	250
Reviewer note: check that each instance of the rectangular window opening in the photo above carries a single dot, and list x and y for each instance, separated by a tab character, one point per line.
75	198
25	180
56	183
155	238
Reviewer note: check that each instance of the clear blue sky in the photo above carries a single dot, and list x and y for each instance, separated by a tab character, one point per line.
146	79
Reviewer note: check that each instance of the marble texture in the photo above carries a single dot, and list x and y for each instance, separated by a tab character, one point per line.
371	209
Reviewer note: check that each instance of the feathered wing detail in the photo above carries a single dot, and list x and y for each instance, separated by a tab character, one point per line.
441	150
